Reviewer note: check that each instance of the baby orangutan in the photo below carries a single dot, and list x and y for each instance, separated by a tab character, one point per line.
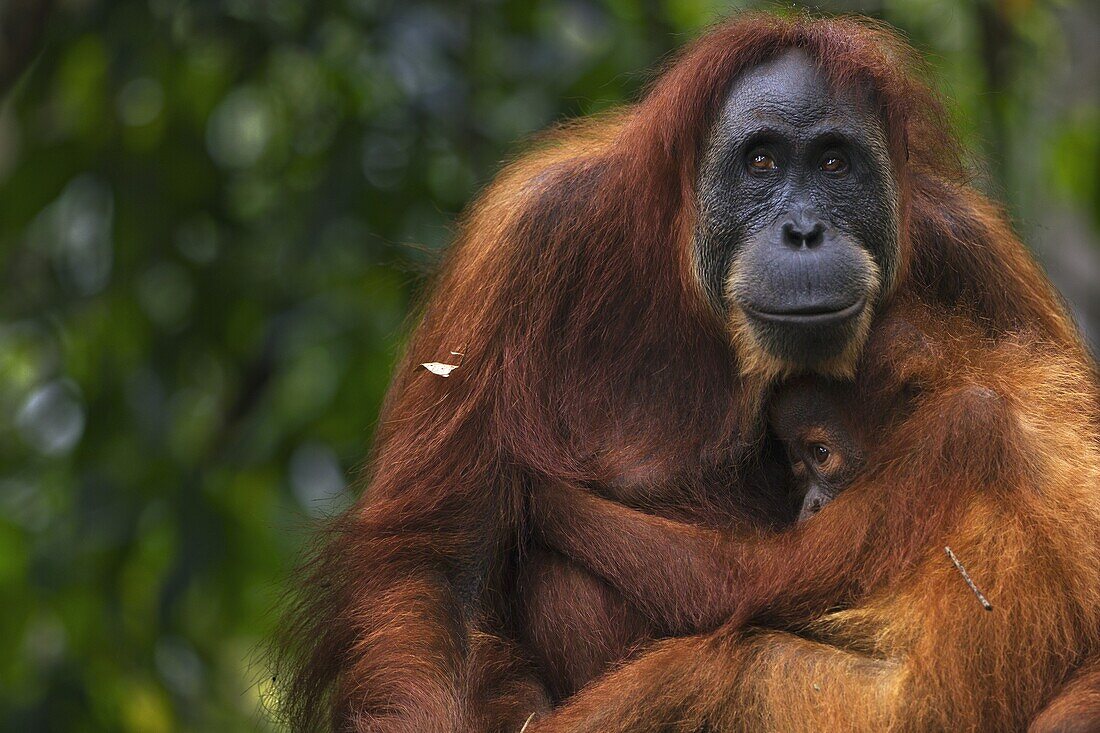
824	442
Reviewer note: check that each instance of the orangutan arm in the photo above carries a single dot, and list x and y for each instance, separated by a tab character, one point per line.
1077	705
916	656
688	578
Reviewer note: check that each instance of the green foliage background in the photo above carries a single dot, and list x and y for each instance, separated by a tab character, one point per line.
212	217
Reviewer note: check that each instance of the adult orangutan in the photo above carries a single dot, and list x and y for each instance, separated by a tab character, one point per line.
984	445
623	295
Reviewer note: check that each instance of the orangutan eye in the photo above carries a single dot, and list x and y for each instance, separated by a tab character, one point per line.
820	453
834	163
762	161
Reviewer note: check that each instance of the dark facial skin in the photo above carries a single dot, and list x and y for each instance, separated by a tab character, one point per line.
798	214
824	453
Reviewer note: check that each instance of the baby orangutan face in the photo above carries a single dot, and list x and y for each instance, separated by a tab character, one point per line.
814	420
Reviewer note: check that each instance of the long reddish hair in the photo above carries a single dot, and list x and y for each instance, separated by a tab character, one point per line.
572	294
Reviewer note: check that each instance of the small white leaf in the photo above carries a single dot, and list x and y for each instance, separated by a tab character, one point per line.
442	370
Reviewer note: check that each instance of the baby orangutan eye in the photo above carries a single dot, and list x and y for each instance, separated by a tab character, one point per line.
820	453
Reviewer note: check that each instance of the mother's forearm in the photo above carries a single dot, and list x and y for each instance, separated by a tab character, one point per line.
688	578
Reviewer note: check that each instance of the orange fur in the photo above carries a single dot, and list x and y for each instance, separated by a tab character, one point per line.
591	359
998	458
1076	709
